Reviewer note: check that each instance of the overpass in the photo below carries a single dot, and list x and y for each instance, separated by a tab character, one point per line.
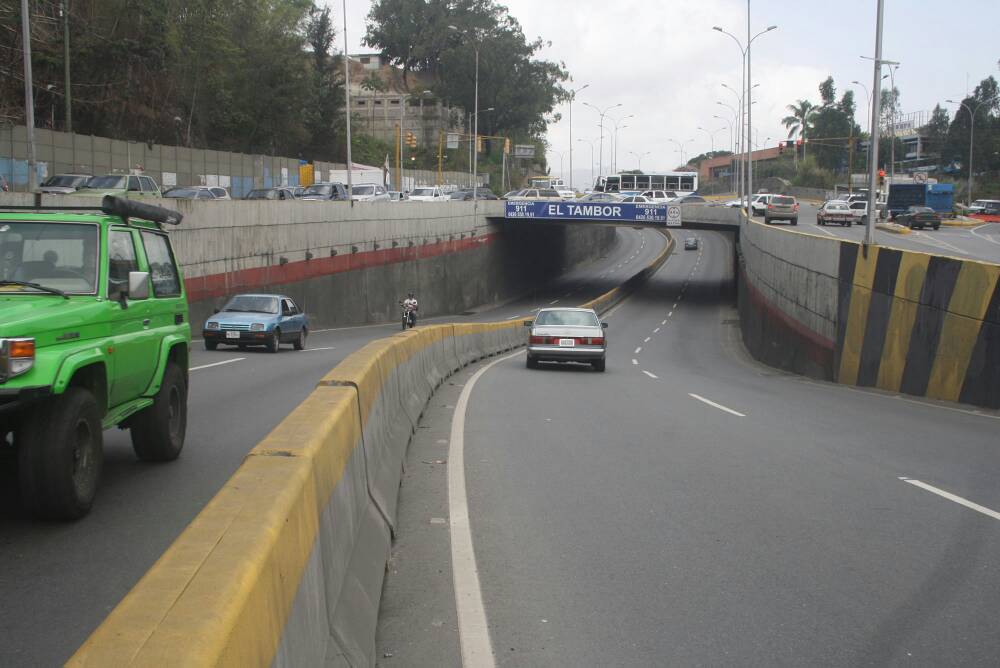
622	214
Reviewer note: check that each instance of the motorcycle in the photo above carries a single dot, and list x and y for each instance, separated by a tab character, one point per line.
409	316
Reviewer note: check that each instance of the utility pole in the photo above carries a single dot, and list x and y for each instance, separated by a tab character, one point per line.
876	108
29	98
347	96
572	96
68	94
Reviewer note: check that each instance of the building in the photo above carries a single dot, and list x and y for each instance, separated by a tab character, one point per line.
724	167
385	102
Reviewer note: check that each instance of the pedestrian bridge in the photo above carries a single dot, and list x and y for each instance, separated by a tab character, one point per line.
621	214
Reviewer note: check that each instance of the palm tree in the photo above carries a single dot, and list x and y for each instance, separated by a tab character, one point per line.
798	121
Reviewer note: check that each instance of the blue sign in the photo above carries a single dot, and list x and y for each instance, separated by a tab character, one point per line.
612	212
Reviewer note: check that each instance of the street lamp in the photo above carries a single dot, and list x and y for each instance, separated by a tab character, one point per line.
475	131
732	150
572	96
892	120
614	144
600	163
972	129
711	135
680	147
591	142
639	157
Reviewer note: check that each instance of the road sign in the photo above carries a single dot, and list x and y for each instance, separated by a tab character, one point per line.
524	150
612	212
453	138
920	177
674	215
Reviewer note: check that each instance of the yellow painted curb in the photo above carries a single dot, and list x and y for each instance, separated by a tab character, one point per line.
962	222
893	227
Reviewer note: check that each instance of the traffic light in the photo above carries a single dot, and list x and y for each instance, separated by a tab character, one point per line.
506	146
411	139
479	144
881	177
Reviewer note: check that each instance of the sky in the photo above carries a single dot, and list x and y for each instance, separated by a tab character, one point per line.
661	60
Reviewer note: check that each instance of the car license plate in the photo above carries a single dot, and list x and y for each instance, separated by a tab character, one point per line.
232	335
567	343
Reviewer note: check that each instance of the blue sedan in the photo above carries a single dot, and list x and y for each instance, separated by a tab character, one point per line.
257	320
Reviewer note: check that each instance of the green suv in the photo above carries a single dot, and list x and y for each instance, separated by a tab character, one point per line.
94	334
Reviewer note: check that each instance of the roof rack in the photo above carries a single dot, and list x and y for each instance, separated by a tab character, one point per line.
112	206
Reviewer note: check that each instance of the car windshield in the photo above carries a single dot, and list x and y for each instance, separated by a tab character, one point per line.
60	256
252	304
568	318
259	194
921	209
784	200
181	193
548	193
836	206
423	192
110	182
461	194
64	181
323	190
363	190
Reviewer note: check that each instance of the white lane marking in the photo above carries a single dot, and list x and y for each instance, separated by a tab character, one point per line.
656	331
952	497
664	322
514	317
938	242
473	630
715	405
209	366
536	309
651	375
635	361
987	237
671	313
646	340
675	304
307	350
826	231
554	301
637	350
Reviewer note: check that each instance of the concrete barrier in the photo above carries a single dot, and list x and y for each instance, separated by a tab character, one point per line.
897	320
284	566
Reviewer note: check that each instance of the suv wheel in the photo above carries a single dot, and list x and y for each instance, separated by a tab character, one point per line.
300	342
60	455
274	341
158	431
211	345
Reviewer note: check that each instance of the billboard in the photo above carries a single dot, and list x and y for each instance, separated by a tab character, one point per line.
612	212
524	150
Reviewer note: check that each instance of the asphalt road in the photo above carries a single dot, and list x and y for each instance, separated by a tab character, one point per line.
978	243
691	507
58	581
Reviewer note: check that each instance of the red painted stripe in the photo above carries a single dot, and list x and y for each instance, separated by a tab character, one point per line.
200	288
818	348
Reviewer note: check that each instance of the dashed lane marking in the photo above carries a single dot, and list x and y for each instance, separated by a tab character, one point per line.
635	361
651	375
953	497
656	331
646	340
715	405
664	322
209	366
637	350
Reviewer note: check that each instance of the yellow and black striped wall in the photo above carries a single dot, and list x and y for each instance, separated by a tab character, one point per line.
918	324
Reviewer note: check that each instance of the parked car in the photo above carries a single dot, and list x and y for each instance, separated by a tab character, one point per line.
121	185
397	196
919	217
428	194
782	207
635	199
659	196
325	191
512	194
689	199
834	212
601	197
257	320
691	243
297	191
270	193
196	192
63	184
567	335
94	334
466	195
537	193
369	192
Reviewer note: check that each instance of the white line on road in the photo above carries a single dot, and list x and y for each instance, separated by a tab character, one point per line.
315	349
514	317
651	375
637	350
671	313
656	331
664	322
209	366
952	497
987	237
635	361
675	304
554	301
473	630
715	405
646	340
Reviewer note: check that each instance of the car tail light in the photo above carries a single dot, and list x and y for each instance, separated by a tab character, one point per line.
595	341
796	207
537	340
770	206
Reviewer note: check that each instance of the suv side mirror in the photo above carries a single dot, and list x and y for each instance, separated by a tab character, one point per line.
138	285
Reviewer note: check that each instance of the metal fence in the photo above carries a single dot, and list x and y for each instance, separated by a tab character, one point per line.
70	153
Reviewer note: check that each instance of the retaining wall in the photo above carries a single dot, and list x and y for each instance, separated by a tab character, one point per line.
284	566
896	320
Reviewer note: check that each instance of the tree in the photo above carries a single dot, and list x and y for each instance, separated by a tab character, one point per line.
323	114
827	92
798	121
935	133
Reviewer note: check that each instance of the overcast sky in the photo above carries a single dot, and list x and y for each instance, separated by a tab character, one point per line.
661	60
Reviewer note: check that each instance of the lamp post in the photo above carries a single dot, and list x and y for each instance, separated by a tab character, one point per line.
732	150
892	121
600	161
680	147
738	167
868	107
711	135
877	63
972	130
572	96
475	130
614	143
591	142
29	100
639	157
347	108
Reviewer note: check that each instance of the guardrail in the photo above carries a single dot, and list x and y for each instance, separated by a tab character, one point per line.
284	566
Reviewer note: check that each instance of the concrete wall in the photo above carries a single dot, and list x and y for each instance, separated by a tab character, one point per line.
897	320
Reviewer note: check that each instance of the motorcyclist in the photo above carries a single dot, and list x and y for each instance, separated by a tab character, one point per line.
410	306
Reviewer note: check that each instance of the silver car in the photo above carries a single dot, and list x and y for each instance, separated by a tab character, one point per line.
567	335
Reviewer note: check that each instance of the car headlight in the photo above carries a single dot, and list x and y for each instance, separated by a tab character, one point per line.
212	325
257	327
17	356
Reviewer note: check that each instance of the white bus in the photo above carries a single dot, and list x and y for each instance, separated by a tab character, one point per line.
679	182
